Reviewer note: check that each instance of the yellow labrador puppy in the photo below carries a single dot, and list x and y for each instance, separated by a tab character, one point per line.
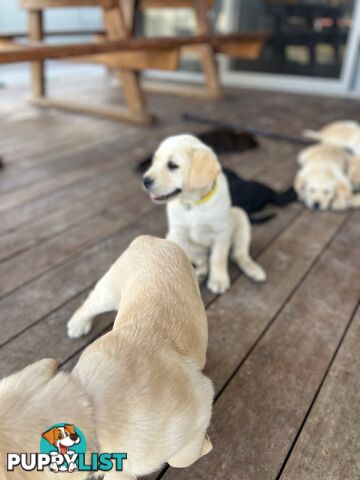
322	182
139	389
341	134
186	174
345	135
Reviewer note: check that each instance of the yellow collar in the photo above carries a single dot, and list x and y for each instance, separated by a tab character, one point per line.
206	197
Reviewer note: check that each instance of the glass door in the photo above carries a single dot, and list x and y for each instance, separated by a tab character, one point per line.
313	45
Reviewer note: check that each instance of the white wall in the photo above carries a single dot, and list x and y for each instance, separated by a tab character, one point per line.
13	18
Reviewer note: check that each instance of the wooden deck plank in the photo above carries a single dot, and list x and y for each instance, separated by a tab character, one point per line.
328	446
30	303
45	227
49	185
60	200
15	178
32	263
238	319
257	417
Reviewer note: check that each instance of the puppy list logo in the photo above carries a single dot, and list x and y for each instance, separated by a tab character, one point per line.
62	449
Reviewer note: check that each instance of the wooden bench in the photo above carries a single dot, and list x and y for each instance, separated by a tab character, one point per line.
125	55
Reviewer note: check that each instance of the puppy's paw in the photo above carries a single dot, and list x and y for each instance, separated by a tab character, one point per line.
340	204
77	328
257	273
218	283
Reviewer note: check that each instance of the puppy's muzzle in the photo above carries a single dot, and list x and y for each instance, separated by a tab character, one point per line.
74	437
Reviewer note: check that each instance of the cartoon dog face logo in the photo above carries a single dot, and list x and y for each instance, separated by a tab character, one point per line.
62	438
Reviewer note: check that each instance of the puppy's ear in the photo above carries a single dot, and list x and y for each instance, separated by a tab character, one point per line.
203	169
32	377
299	183
50	435
71	428
354	171
342	189
342	198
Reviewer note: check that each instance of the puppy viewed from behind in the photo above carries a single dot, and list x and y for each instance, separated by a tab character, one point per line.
139	389
186	174
322	182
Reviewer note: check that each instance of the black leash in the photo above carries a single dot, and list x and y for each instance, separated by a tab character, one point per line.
190	117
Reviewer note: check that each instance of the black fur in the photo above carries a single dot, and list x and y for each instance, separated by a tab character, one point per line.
253	196
221	140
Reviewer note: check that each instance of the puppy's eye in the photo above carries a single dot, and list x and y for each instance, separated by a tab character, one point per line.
60	436
172	166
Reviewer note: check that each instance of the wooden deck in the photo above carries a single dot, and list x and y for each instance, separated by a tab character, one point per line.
284	356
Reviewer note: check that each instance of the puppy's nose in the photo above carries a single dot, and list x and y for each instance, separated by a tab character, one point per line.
147	182
74	437
316	206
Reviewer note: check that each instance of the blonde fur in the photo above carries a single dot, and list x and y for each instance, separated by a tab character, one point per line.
344	135
322	182
138	389
184	172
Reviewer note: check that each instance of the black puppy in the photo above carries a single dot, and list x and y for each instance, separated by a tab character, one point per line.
254	196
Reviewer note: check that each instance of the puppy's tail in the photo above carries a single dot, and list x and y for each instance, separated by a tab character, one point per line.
313	134
263	219
284	198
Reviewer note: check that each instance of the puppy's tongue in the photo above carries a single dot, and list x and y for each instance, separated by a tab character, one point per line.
63	449
153	196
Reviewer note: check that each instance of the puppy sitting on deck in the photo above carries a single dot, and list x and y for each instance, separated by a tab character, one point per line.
138	389
186	174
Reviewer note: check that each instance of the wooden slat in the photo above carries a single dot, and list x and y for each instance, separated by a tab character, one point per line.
45	227
58	286
329	442
163	59
45	186
54	33
47	52
246	51
38	82
118	114
207	52
40	4
34	262
144	4
257	417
